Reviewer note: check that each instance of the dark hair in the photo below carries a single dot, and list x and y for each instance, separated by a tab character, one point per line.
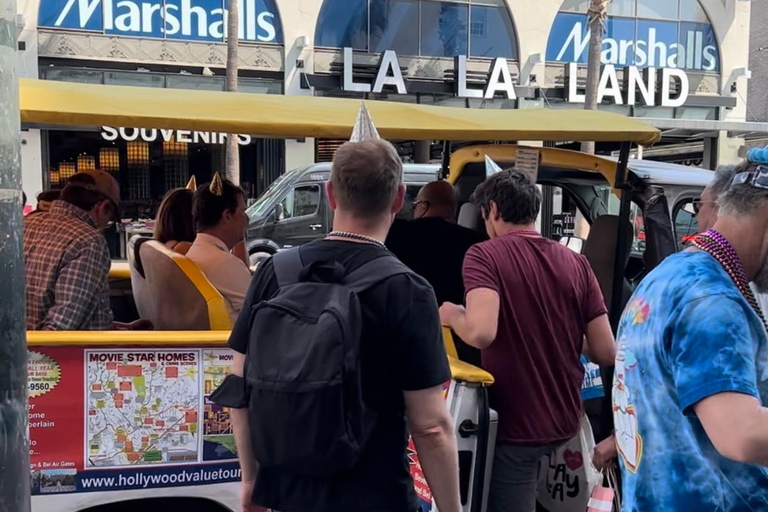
174	217
23	198
517	199
209	208
366	176
79	196
49	195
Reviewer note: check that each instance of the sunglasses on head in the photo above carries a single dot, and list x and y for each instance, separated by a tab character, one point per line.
758	179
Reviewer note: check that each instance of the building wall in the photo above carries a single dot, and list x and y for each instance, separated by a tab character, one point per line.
757	101
533	20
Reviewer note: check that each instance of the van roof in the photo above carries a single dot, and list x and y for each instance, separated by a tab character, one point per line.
48	102
665	173
408	168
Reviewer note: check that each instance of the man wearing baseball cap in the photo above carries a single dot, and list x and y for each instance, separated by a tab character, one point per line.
67	259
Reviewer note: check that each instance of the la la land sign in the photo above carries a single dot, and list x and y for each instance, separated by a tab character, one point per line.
650	86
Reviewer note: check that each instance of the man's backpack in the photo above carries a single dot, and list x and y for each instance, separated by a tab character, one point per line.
306	408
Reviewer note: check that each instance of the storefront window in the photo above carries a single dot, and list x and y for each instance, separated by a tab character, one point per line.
480	28
344	25
395	26
641	33
691	10
657	9
444	29
134	79
490	33
622	7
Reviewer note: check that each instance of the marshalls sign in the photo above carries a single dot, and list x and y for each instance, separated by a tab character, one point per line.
190	20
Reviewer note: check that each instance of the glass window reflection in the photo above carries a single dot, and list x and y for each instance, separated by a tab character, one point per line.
691	10
622	7
575	6
444	29
491	33
419	27
657	9
395	26
343	24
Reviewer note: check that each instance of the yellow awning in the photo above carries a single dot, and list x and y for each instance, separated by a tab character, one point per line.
54	103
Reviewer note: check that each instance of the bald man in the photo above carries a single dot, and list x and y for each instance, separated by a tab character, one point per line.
433	246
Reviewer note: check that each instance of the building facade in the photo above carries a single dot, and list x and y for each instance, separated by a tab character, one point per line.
680	64
758	63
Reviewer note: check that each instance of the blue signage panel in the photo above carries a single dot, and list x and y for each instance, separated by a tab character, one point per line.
636	42
188	20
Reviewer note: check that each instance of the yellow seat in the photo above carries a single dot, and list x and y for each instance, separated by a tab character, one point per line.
461	371
142	295
182	298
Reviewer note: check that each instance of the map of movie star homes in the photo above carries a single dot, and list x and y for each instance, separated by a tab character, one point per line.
142	407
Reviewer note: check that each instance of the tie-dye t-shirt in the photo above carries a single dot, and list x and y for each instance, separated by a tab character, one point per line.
686	334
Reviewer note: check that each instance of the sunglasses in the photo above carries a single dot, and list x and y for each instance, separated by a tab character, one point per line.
758	179
697	204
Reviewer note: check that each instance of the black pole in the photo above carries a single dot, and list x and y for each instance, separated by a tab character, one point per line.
446	160
623	234
14	449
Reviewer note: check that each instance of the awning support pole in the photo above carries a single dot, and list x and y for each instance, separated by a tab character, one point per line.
621	240
446	159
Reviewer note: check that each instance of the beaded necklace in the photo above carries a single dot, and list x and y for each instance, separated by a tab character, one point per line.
524	232
355	236
719	248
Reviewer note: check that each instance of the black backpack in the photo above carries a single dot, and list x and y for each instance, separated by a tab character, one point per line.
306	409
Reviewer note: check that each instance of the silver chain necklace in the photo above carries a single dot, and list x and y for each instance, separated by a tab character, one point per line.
355	236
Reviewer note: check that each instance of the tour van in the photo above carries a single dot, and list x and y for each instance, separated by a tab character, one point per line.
121	421
294	209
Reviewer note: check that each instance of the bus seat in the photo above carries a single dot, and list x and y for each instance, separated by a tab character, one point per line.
141	294
182	296
600	251
470	217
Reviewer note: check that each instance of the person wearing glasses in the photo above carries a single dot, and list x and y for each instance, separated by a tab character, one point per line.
705	207
67	260
690	387
434	246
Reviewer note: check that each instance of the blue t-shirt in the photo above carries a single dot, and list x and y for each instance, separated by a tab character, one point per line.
686	334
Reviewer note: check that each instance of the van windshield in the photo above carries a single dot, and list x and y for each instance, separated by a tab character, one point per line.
273	194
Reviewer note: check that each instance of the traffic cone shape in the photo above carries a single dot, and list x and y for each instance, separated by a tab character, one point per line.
364	128
491	167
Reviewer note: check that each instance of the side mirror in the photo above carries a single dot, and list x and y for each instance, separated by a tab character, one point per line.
279	212
688	208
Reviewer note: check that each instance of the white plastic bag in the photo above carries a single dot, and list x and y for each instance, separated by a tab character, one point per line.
567	476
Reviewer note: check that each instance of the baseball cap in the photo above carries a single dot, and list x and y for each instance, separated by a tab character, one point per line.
99	181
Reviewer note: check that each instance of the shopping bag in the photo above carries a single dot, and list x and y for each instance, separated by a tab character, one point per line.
567	476
605	498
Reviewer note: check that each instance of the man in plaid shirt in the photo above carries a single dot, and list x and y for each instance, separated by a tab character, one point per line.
67	259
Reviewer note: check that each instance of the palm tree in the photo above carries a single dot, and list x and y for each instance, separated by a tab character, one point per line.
598	12
232	165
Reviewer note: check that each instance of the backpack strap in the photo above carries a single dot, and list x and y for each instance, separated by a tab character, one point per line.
287	265
374	272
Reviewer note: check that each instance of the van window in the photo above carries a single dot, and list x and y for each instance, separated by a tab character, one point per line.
411	191
302	201
686	224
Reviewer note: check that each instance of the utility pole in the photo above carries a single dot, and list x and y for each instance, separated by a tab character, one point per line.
14	442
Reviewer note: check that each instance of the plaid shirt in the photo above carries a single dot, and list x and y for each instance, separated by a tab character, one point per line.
67	265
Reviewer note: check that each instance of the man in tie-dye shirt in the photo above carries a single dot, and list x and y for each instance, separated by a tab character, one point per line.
691	380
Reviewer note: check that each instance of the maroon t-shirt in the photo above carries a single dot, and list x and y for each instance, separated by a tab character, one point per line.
548	296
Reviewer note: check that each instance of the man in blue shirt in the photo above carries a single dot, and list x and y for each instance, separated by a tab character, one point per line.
691	380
